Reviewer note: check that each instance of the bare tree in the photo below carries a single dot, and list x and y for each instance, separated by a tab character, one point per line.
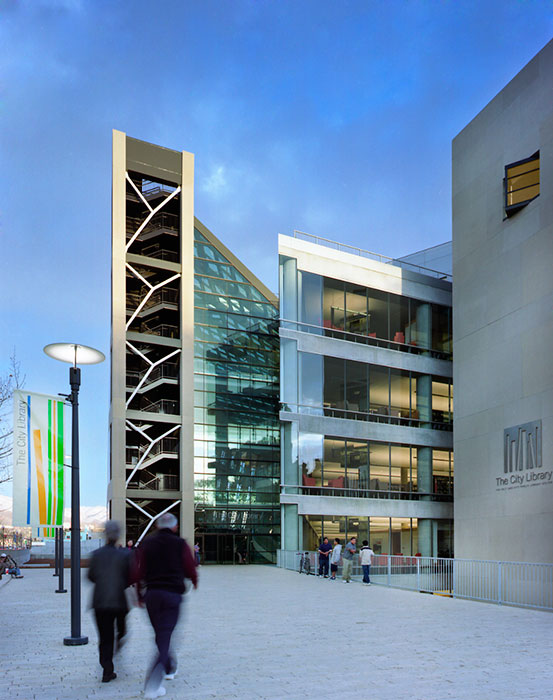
12	379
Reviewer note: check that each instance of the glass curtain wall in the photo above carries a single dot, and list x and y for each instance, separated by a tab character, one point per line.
360	391
237	432
397	536
358	468
353	312
442	472
442	400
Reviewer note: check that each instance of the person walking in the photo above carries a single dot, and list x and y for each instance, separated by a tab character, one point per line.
163	562
349	550
335	558
324	552
365	559
109	572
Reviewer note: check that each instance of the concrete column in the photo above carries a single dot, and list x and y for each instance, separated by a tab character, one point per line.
187	356
289	455
116	487
288	289
424	326
424	399
290	526
426	539
424	471
289	372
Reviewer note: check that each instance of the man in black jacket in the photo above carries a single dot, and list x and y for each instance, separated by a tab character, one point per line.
163	562
109	571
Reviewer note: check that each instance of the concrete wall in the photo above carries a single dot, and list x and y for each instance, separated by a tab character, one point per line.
47	551
503	322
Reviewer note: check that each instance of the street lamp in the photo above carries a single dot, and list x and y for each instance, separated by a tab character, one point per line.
83	355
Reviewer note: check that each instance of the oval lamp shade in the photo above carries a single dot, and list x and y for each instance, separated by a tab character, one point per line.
74	354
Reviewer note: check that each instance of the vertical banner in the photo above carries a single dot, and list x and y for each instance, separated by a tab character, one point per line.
38	459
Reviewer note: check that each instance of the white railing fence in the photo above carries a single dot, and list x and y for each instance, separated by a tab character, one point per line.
502	582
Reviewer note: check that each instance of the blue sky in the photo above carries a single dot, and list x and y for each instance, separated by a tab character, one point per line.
335	118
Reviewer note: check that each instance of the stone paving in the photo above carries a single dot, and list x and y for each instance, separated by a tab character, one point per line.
262	632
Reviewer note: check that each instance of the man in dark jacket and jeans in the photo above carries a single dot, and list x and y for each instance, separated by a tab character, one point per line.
163	562
109	571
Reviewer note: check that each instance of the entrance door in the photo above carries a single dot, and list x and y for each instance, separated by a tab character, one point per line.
208	549
223	548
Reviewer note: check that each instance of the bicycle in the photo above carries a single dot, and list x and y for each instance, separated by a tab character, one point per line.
305	562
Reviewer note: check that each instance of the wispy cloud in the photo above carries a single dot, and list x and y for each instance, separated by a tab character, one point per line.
216	182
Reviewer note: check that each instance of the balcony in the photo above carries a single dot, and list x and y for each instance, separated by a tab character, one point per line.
351	488
159	224
150	190
398	343
164	298
162	406
159	252
167	448
154	482
156	190
380	414
166	373
164	330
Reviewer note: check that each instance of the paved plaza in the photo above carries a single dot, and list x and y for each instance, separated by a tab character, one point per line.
262	632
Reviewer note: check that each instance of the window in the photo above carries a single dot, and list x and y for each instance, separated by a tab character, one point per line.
310	308
400	394
522	183
399	319
333	305
378	314
356	386
379	390
334	382
356	309
311	381
442	401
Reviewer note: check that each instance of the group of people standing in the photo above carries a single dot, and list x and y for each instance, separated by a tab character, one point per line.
158	568
332	554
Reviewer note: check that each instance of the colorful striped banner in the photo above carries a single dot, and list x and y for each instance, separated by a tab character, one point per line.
38	449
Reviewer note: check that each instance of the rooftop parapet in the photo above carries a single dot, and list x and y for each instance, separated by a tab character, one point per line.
354	250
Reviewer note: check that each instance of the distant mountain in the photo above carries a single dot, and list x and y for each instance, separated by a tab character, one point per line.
91	516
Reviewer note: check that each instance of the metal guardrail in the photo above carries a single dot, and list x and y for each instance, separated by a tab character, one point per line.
520	584
354	250
351	490
375	416
411	348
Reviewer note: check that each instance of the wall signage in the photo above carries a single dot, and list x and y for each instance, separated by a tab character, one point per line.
522	458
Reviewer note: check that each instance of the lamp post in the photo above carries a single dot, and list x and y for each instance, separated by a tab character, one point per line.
83	355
